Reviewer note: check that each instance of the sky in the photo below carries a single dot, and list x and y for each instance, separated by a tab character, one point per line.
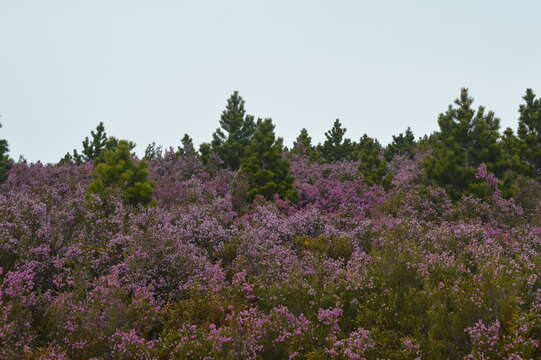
153	70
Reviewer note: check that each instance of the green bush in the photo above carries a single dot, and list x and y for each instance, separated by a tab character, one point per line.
120	173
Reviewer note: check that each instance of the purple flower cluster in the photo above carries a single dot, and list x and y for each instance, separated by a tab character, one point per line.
348	272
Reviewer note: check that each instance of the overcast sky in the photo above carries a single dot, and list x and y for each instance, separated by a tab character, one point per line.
153	70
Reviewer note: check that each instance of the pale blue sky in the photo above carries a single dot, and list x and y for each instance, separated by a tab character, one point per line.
156	69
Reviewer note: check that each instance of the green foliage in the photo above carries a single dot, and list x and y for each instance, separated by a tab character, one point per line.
187	148
426	142
303	145
334	247
336	147
119	172
529	132
231	139
373	167
5	162
527	194
240	187
268	173
205	149
467	139
402	145
92	148
516	167
152	151
70	158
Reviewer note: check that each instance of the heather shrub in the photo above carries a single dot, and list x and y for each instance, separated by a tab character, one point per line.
333	247
240	199
96	323
348	271
426	203
527	196
18	303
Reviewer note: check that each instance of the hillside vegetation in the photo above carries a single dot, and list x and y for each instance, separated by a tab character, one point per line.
427	248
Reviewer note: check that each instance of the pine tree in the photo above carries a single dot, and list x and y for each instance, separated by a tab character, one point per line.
529	133
152	152
187	148
73	158
205	151
336	147
118	172
190	158
373	167
92	148
236	129
67	159
467	139
303	145
427	142
512	153
402	145
5	162
515	166
267	172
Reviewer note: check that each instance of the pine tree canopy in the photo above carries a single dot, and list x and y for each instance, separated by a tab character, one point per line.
5	162
303	144
529	132
268	173
236	129
402	145
467	139
92	148
118	172
187	148
336	147
152	152
373	166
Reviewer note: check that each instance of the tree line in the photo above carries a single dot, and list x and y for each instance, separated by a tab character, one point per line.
467	138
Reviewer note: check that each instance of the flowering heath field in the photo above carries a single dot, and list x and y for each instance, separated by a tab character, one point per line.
243	249
348	271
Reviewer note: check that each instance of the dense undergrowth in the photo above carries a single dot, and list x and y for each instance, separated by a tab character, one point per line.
347	272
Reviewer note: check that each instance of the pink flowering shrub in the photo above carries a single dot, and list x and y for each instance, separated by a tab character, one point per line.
348	272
